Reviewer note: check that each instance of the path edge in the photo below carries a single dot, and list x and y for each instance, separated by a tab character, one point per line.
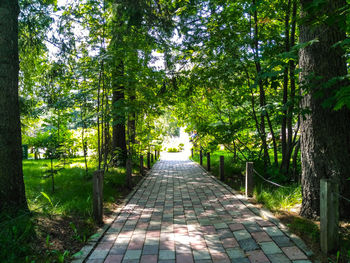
264	213
86	251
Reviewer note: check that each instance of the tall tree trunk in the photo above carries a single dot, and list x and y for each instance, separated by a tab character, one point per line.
290	114
325	138
285	93
261	89
119	134
12	191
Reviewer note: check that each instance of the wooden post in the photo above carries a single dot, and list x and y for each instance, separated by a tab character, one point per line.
249	184
201	157
192	152
141	164
98	196
329	215
149	160
208	162
222	170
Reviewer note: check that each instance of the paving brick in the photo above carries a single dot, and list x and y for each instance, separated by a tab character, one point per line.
184	258
150	250
294	253
248	244
270	248
257	256
132	254
237	226
278	258
235	253
229	242
241	235
201	254
273	231
283	241
114	259
220	258
166	254
261	237
149	259
118	249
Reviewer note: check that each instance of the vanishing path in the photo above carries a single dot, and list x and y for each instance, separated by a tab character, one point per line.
180	214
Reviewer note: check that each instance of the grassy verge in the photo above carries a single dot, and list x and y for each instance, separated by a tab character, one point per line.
60	222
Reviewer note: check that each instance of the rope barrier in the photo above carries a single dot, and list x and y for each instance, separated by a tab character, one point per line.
346	199
266	180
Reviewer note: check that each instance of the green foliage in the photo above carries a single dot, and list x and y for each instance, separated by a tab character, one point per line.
173	150
278	198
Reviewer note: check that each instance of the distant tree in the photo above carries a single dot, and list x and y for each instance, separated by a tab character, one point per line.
12	192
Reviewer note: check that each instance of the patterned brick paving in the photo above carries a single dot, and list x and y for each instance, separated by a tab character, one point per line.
180	214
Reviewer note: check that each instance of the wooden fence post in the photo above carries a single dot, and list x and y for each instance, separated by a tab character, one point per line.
222	170
98	196
249	183
192	152
329	215
149	160
208	162
141	164
201	157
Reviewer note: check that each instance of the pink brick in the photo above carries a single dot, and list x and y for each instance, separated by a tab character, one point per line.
261	236
294	253
114	259
153	233
235	227
135	244
208	230
229	242
220	258
149	259
264	223
104	246
167	245
257	256
184	258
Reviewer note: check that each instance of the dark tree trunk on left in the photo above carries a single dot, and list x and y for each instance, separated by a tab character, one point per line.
12	191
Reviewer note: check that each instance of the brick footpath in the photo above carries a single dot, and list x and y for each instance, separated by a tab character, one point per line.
180	214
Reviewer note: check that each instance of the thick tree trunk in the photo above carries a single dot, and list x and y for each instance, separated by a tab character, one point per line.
12	192
325	138
119	134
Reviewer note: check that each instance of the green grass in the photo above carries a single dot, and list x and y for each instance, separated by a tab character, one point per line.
276	198
72	199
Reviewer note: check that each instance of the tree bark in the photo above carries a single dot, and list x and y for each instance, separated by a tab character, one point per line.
325	138
119	134
12	190
285	158
263	136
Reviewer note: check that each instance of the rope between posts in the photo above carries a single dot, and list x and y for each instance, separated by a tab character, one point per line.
266	180
346	199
